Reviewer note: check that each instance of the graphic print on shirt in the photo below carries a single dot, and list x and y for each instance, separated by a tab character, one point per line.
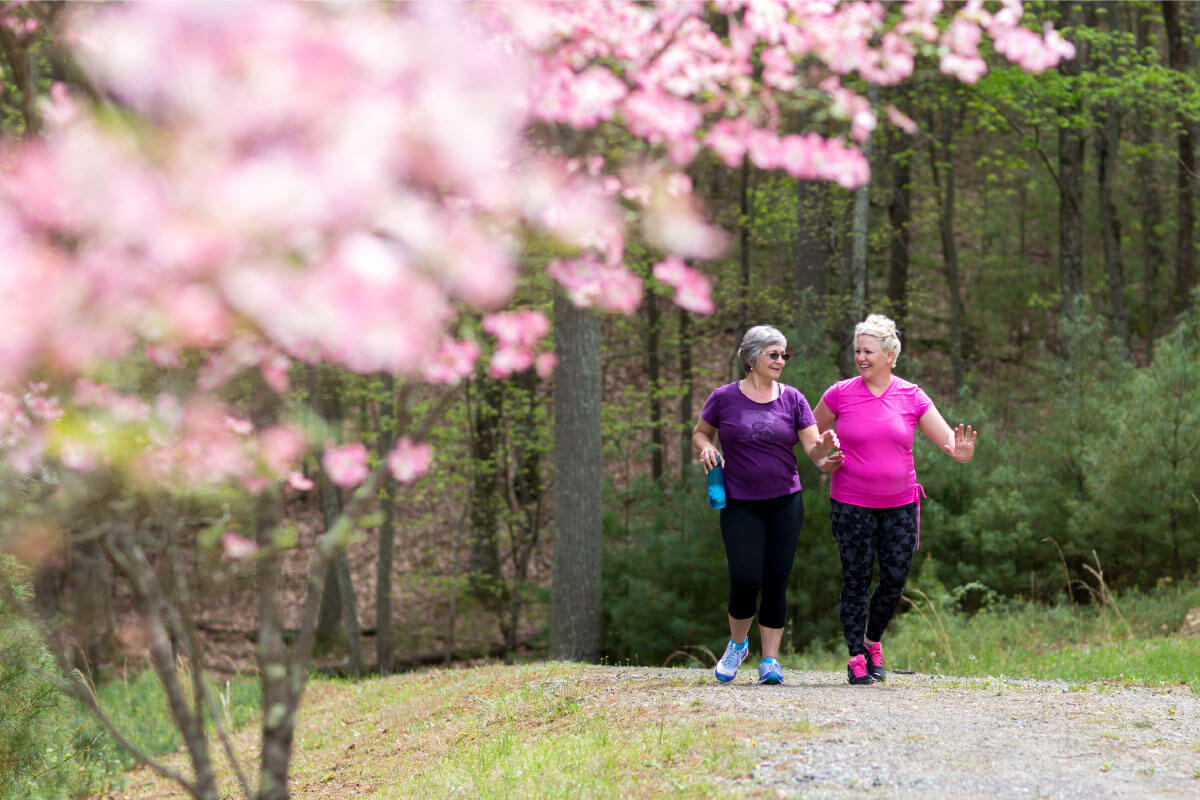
759	426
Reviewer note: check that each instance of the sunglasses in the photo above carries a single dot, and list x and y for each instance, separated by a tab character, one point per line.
776	356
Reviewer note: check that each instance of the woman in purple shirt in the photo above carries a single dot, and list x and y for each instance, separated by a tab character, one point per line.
874	504
759	421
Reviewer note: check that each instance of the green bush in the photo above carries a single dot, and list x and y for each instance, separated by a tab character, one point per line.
30	708
52	748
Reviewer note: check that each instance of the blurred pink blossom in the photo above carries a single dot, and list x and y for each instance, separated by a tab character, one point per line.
281	447
299	482
346	465
692	289
236	546
409	461
453	361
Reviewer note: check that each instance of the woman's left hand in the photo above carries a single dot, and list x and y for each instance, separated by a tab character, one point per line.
962	447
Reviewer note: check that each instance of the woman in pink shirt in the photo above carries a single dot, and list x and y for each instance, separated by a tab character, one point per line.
874	494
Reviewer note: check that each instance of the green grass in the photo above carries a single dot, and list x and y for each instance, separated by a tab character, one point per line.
542	730
1130	639
79	758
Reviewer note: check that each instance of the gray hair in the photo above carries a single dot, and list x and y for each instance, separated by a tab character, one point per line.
757	339
884	330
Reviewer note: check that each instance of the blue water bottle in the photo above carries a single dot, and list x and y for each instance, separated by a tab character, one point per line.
716	486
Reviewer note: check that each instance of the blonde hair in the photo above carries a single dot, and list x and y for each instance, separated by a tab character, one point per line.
883	329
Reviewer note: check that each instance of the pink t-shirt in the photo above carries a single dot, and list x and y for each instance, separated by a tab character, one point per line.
876	435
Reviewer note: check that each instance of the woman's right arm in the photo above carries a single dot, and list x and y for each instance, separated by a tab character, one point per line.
826	419
703	436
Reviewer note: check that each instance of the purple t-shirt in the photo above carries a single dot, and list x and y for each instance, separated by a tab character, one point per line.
876	434
757	440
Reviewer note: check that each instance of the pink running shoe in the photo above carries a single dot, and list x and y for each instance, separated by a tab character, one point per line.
876	666
856	671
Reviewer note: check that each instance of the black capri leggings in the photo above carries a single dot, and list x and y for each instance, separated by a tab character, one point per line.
760	545
864	534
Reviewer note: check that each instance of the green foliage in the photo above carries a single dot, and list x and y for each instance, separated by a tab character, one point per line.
665	580
1127	639
52	748
30	707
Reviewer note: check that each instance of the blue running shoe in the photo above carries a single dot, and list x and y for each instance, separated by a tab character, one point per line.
727	667
770	672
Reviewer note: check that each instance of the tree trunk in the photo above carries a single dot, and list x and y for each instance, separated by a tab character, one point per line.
526	498
858	291
941	164
385	635
483	560
1179	56
278	681
899	217
745	223
576	622
338	603
814	241
686	421
1150	204
1070	199
1108	143
652	376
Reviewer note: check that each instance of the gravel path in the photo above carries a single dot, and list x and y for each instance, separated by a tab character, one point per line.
924	736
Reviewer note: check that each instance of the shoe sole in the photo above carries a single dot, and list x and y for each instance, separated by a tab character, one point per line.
864	681
771	681
723	679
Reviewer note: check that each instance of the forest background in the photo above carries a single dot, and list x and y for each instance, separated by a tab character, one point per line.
1034	237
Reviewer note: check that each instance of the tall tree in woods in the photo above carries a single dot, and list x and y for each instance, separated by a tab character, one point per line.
576	623
1107	136
1179	55
945	116
1070	182
255	229
1149	198
899	156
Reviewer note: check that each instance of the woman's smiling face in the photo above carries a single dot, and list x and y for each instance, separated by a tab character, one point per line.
869	356
772	359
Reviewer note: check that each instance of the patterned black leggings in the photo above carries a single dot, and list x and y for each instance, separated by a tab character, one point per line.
861	533
760	546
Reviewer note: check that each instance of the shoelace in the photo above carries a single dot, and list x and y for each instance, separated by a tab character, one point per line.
858	665
731	657
875	655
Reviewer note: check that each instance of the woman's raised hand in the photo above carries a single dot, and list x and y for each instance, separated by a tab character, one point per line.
962	447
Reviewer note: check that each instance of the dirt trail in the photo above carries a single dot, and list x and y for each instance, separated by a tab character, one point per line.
922	736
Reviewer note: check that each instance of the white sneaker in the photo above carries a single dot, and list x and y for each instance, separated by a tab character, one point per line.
733	657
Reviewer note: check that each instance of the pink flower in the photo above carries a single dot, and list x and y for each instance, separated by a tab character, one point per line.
692	290
274	370
346	465
454	361
409	461
237	547
518	334
545	364
299	482
589	282
281	446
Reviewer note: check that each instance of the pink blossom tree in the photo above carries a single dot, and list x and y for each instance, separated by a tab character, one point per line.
263	184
